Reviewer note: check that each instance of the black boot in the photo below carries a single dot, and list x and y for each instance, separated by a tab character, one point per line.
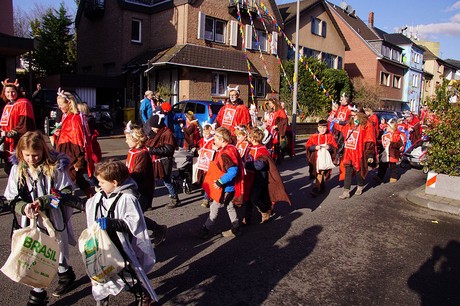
37	298
66	281
175	202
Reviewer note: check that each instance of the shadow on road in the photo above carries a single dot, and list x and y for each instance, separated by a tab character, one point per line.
437	281
242	271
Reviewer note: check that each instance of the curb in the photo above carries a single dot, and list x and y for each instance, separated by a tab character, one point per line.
414	198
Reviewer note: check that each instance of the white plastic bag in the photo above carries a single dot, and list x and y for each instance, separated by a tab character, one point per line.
324	160
101	257
34	256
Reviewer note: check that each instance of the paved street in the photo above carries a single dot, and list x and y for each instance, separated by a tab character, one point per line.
373	249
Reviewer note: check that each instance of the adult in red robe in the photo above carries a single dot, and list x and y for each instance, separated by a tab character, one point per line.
234	112
17	118
360	149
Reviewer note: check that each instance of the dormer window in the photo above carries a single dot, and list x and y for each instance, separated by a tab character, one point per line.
136	30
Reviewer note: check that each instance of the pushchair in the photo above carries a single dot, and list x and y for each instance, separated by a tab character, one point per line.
183	160
415	155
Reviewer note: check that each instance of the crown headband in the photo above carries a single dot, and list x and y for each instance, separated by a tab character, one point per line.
61	94
236	88
7	83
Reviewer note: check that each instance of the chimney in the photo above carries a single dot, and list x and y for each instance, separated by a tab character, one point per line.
370	20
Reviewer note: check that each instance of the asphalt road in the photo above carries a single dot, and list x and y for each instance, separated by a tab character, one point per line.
373	249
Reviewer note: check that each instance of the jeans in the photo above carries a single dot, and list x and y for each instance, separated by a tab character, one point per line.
348	174
170	186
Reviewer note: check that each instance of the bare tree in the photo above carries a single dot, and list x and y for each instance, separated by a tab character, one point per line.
365	94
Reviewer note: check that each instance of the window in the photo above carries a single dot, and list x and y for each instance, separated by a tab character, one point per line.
318	27
384	78
396	81
415	80
219	84
329	59
136	30
262	37
339	62
396	55
386	51
259	86
214	30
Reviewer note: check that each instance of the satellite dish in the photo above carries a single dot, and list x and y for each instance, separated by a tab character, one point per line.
343	5
348	9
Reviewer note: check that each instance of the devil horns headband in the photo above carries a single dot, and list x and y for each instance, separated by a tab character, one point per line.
7	83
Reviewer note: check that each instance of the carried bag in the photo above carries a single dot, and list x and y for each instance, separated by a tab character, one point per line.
324	160
101	257
34	256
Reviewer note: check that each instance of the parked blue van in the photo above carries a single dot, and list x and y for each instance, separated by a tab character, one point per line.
204	111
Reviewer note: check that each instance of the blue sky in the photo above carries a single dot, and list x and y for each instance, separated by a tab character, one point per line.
432	20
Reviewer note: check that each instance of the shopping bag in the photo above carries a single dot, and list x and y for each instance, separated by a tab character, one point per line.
195	171
324	160
34	256
101	257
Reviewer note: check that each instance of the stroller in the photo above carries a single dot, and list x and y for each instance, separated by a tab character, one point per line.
183	159
415	155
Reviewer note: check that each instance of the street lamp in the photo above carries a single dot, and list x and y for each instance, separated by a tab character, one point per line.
296	71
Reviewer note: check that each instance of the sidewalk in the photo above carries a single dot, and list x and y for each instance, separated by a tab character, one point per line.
419	197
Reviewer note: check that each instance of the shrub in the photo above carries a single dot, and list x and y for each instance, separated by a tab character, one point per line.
444	150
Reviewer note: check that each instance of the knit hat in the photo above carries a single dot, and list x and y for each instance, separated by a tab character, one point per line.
166	107
157	120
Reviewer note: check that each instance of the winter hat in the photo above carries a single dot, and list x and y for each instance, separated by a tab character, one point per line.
166	107
322	122
157	120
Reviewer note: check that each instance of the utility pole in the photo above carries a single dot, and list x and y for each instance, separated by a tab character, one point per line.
296	71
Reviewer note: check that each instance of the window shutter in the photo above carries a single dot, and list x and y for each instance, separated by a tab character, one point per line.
233	33
248	37
312	22
274	46
323	28
201	24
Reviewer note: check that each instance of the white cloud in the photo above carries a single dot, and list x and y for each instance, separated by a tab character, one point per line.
454	7
456	19
447	28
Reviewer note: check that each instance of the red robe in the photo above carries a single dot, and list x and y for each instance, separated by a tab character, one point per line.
231	115
140	168
392	142
360	143
316	140
18	116
216	170
276	188
343	113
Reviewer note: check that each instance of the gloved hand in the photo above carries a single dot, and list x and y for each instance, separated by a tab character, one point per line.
102	223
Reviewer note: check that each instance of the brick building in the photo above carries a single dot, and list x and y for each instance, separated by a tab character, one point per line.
193	49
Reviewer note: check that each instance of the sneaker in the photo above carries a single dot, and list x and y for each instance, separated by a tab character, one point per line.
175	202
203	233
231	233
103	302
159	235
66	282
37	298
205	203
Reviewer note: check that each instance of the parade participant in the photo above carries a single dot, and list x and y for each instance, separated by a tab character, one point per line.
393	146
234	112
191	131
74	140
224	183
374	120
17	118
360	149
140	168
205	143
322	139
147	106
277	123
37	180
161	144
242	143
116	209
267	187
413	126
340	114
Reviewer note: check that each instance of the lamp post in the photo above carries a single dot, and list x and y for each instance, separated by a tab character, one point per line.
296	70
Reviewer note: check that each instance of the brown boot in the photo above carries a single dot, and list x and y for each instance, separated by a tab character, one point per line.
345	194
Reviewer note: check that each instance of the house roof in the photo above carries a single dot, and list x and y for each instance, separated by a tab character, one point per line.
14	46
453	62
288	12
203	57
356	23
